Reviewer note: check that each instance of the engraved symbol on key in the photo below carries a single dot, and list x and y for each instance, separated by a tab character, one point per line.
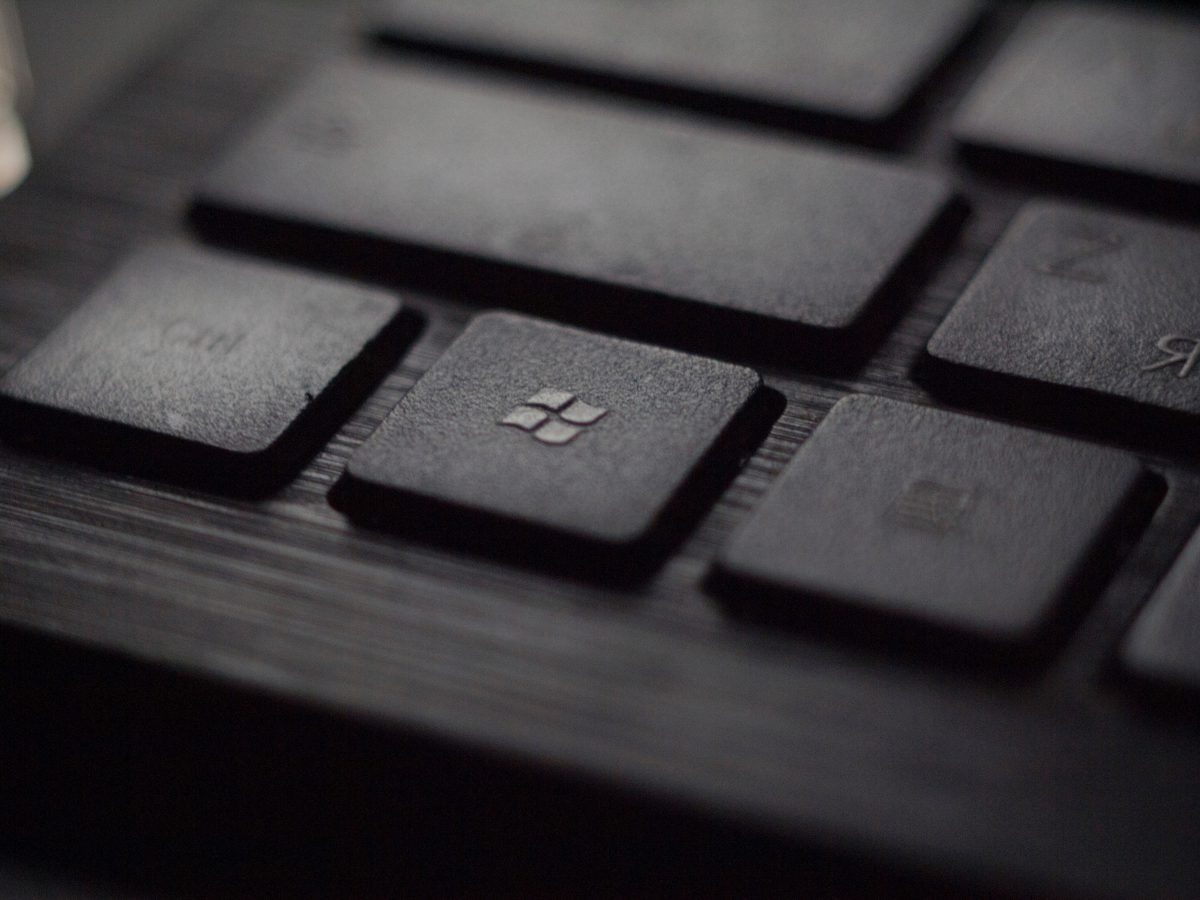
930	506
1178	351
190	335
553	416
1076	254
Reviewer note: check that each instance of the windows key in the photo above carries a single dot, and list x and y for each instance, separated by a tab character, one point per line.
563	445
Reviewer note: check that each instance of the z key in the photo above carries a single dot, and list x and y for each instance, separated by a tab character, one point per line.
1079	311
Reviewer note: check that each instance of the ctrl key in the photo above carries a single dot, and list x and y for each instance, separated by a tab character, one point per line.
203	368
935	524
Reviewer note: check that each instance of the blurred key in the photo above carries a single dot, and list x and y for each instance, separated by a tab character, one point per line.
1096	86
919	516
854	59
688	218
1164	645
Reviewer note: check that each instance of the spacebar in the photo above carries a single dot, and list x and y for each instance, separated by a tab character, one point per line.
403	158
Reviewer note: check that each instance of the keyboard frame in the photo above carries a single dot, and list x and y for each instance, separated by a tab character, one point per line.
190	615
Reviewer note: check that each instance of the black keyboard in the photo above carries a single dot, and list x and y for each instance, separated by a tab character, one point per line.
554	447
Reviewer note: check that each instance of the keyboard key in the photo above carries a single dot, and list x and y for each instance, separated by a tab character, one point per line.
1164	645
546	433
931	519
1074	298
209	366
402	158
1095	86
856	59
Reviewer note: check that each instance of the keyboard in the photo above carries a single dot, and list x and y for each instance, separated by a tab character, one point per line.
555	447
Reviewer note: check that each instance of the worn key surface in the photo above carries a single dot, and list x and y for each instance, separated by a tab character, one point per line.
401	158
531	427
1164	644
1096	86
1079	300
201	364
859	60
932	519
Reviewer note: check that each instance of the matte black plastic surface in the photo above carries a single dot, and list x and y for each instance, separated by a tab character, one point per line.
446	709
543	425
1164	645
948	520
1098	85
859	59
1081	298
183	350
411	156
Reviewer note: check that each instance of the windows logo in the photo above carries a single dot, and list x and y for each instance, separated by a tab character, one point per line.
554	417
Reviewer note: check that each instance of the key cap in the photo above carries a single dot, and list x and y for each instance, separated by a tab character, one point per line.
926	518
1096	86
201	366
857	59
1075	300
1164	645
563	441
401	158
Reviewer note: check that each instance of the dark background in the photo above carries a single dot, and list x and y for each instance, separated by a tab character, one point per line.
234	698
